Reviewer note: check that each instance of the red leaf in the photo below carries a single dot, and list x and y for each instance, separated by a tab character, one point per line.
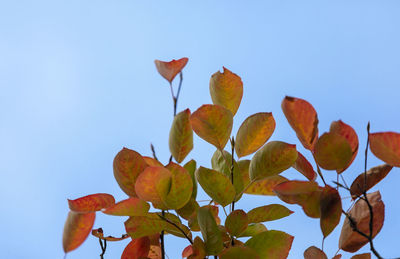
374	176
303	166
188	251
99	234
170	69
314	253
331	209
361	256
76	229
137	248
129	207
91	203
386	146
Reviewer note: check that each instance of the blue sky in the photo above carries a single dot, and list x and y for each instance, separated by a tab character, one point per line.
78	83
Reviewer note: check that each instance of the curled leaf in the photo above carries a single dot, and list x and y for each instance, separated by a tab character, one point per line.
170	69
91	203
76	229
99	234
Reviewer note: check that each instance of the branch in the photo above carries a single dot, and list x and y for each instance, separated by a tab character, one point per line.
176	226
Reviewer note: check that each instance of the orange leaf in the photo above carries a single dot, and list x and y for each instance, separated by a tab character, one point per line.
99	234
181	136
91	203
137	248
361	256
180	189
386	146
127	165
226	89
151	161
254	132
170	69
303	118
129	207
374	176
333	152
339	256
213	123
155	252
351	241
76	229
314	253
266	185
331	209
346	131
188	251
303	166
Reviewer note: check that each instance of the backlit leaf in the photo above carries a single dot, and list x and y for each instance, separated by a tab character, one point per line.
253	229
361	256
272	159
386	146
306	194
254	133
268	213
236	222
191	168
76	229
153	185
129	207
213	123
271	244
91	203
216	185
197	250
239	252
181	187
304	167
181	136
374	176
333	152
209	230
331	209
226	89
346	131
170	69
190	207
314	253
140	226
303	118
155	252
127	165
137	249
351	241
151	161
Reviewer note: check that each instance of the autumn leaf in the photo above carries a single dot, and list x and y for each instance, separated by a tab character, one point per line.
271	244
210	232
129	207
386	146
253	229
137	248
190	207
191	169
226	89
76	229
362	256
304	167
151	161
314	253
239	252
181	136
374	176
331	209
213	123
141	226
236	222
303	118
181	187
99	234
268	213
170	69
91	203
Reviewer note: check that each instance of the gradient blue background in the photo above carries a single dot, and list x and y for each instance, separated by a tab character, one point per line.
78	83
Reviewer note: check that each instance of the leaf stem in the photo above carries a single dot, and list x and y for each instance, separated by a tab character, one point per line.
162	239
176	226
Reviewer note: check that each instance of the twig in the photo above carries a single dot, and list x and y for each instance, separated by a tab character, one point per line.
319	171
176	226
103	247
153	151
232	168
162	239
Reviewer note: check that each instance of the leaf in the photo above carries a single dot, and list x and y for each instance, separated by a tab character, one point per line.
213	123
91	203
129	207
339	256
76	229
303	118
268	213
99	234
305	194
216	185
386	146
140	226
236	222
170	69
137	248
351	241
151	161
272	159
169	228
346	131
331	209
155	252
239	252
181	136
197	249
254	133
222	162
271	244
153	185
127	165
181	187
191	168
226	89
209	230
304	167
314	253
361	256
190	207
374	176
332	152
253	229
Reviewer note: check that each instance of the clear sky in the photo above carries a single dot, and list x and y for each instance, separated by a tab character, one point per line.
78	83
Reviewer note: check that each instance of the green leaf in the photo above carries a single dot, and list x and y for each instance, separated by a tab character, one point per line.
253	229
191	168
268	213
213	123
129	207
386	146
216	185
190	207
181	136
236	222
226	89
274	158
209	230
140	226
181	187
239	252
271	244
253	133
331	209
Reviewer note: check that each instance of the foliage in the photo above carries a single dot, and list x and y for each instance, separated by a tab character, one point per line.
172	189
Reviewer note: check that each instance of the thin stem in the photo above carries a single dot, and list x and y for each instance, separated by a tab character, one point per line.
319	171
153	151
176	226
232	167
162	239
103	247
344	181
177	94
